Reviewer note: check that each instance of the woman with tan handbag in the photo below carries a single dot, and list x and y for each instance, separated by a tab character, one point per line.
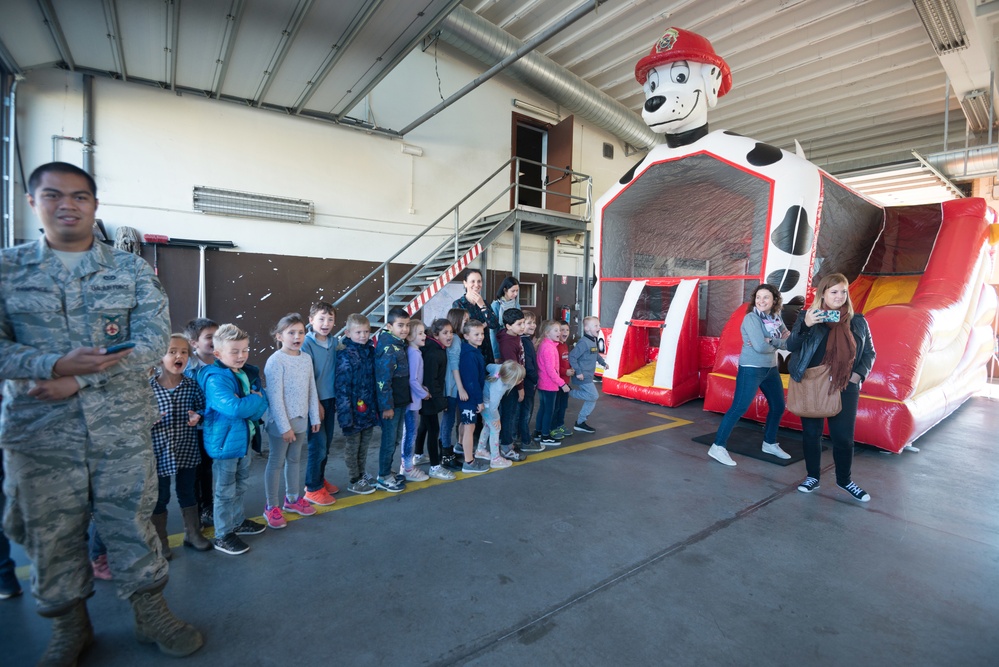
831	355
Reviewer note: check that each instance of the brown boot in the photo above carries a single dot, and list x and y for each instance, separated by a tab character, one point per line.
156	624
192	529
71	635
159	523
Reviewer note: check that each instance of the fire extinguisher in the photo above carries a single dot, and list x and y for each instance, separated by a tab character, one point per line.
565	314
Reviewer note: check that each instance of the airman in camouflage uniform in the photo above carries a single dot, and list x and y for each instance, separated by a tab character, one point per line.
75	426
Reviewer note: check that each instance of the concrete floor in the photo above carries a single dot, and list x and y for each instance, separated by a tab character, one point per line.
636	550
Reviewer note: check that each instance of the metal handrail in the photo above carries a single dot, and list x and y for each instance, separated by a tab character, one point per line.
454	212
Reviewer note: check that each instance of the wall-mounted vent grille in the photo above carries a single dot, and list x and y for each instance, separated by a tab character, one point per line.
233	203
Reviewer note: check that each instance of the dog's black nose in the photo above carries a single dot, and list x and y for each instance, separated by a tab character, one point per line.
653	103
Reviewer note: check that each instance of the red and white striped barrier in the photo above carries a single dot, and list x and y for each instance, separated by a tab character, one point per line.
444	279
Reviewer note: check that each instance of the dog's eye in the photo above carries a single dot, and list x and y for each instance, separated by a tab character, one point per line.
679	72
652	82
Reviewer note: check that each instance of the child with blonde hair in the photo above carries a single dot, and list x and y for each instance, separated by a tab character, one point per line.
417	338
500	380
550	381
356	400
585	356
294	404
450	445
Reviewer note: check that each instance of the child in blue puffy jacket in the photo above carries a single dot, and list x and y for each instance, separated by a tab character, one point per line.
234	401
356	400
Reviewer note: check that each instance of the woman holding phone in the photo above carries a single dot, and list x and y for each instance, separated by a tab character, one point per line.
830	333
763	333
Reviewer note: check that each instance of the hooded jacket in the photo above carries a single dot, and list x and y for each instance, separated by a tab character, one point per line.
356	399
228	410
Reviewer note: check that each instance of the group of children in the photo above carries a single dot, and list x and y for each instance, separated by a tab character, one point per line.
416	382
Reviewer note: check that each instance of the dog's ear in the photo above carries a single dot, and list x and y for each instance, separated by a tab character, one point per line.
712	76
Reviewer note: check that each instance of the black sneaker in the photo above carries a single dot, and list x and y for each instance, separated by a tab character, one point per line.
856	492
537	436
208	517
451	463
249	528
549	442
230	544
533	446
584	427
809	485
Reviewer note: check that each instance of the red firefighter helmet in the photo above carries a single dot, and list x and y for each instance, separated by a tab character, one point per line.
678	44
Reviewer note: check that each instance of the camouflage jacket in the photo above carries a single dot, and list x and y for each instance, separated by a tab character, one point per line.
46	311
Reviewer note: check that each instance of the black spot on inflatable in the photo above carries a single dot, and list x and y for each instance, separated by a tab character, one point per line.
630	174
764	154
731	133
784	281
793	235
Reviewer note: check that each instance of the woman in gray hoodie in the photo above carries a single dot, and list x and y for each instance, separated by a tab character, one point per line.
763	333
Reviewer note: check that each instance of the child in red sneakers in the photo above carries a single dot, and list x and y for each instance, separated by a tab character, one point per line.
294	404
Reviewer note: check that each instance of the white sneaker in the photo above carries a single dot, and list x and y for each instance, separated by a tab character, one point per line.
416	475
720	454
482	454
421	459
774	449
500	462
440	472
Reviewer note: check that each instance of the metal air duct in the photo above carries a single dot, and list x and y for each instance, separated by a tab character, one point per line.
467	31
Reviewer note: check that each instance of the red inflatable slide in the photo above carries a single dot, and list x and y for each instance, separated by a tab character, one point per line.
925	292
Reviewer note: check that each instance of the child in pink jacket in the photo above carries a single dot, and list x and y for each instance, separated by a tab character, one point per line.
550	381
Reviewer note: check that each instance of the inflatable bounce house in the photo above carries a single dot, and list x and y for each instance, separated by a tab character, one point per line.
685	236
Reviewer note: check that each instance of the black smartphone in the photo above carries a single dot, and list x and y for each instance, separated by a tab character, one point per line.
127	345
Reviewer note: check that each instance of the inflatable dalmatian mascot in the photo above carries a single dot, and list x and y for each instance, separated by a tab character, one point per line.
683	77
707	215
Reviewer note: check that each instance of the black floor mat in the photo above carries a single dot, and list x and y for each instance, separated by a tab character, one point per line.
747	441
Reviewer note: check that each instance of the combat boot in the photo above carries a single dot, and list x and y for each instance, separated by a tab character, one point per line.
192	529
159	523
156	624
71	635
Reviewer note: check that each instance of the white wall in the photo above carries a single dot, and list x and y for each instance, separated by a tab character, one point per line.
153	146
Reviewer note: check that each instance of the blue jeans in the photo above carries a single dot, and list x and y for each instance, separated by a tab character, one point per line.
448	419
95	546
319	447
561	403
184	485
748	380
525	410
391	435
408	438
546	409
230	477
509	411
587	393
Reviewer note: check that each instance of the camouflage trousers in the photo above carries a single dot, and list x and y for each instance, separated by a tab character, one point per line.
52	494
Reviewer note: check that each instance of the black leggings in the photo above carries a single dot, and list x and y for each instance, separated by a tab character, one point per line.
429	431
840	432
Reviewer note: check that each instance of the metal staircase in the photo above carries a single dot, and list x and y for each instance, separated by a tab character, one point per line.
465	242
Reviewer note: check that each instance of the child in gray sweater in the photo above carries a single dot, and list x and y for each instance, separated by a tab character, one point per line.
585	356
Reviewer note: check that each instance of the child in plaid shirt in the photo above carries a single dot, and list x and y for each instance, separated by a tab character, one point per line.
175	442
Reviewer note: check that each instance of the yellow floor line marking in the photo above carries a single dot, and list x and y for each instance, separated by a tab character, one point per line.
177	540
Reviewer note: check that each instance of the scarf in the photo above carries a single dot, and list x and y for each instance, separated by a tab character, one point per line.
841	351
773	324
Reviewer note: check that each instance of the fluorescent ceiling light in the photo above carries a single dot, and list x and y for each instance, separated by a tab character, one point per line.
976	110
216	201
943	25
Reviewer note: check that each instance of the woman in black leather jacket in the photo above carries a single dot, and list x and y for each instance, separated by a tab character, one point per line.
847	348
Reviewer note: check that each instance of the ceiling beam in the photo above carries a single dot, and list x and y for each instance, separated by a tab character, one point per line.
114	37
7	61
361	19
172	41
233	19
360	95
52	22
287	37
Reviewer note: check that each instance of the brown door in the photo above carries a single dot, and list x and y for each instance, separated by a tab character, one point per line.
546	152
559	158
